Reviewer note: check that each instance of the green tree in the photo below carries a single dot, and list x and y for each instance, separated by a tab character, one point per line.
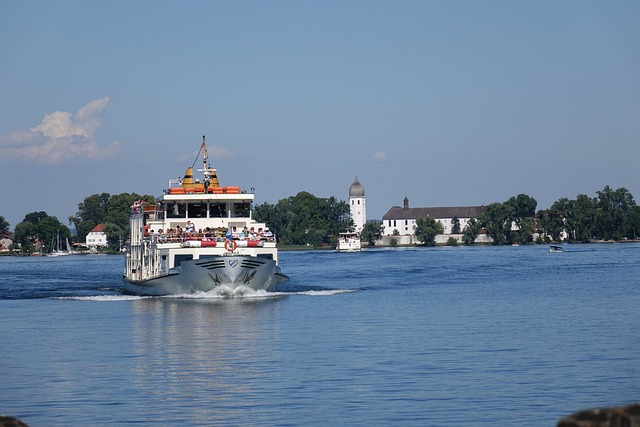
552	221
116	220
523	210
45	231
471	231
4	228
523	207
455	225
305	219
634	222
614	207
371	232
24	234
581	218
427	229
52	232
497	219
94	208
35	217
524	233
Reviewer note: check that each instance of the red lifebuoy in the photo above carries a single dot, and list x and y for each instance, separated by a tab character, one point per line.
230	245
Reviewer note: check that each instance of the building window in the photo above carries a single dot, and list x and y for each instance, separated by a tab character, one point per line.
176	210
241	210
217	210
197	210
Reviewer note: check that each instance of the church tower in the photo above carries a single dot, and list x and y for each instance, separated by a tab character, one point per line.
357	206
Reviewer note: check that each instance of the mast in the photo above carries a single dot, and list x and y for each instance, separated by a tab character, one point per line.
210	176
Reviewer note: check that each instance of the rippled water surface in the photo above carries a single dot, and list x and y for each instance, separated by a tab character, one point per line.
512	336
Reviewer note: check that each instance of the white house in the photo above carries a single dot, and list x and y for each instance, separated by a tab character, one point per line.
400	222
357	206
96	237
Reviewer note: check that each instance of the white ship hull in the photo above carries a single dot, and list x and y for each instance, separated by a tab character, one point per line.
221	274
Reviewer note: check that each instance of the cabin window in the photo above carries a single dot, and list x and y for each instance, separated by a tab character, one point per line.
241	210
268	256
197	210
217	210
180	258
176	210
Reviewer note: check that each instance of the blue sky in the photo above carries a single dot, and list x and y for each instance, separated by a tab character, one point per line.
447	103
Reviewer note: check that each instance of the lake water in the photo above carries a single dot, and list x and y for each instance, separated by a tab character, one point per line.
464	336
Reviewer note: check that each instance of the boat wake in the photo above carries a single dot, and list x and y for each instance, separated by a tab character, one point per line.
216	294
104	298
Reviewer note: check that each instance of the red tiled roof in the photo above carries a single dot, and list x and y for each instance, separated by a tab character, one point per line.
97	228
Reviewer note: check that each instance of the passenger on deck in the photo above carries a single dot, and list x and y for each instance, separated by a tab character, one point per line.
229	234
252	234
261	234
244	235
161	236
207	233
190	228
220	233
136	207
268	234
235	233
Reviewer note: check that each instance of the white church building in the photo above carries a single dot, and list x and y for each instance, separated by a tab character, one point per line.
400	222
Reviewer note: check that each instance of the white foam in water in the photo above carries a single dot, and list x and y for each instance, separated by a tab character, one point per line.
105	298
225	292
325	293
218	293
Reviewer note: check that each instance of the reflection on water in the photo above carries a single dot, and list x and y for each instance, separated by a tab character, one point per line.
207	354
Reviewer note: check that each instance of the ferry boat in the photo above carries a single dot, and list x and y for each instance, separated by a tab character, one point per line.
200	237
349	242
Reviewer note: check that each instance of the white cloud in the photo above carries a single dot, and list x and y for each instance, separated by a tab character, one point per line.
61	137
379	156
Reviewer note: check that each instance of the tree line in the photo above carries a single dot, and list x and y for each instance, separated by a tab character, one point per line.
305	219
37	231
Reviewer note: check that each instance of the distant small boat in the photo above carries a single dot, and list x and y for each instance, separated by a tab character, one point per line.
349	242
554	248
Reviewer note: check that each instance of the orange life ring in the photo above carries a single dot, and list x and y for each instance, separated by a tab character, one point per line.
230	245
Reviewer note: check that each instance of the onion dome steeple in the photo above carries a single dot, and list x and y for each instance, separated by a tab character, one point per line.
356	189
